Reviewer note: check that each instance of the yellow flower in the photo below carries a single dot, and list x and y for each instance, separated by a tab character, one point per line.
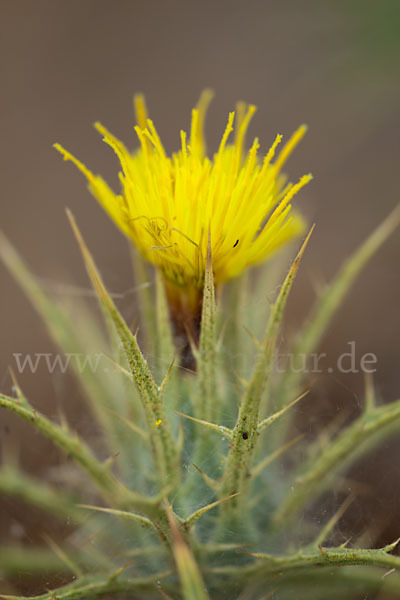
171	206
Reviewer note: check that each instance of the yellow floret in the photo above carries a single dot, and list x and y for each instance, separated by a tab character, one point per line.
170	206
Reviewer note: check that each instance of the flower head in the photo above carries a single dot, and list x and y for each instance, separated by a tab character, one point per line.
173	206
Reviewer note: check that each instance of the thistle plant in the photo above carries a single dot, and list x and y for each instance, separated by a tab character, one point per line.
199	488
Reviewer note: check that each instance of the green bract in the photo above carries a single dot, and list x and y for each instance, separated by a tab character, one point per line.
193	502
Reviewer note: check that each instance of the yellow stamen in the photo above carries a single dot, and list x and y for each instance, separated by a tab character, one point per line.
271	152
171	206
139	104
198	133
290	146
228	130
243	129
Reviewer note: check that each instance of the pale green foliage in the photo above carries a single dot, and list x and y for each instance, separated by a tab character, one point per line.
193	476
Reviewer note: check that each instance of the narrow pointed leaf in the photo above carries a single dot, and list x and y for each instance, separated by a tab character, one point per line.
192	584
145	298
63	331
194	517
330	525
163	445
165	339
263	464
97	587
272	418
123	514
78	451
18	560
17	484
326	306
212	483
359	437
59	552
267	566
221	429
208	400
245	433
132	426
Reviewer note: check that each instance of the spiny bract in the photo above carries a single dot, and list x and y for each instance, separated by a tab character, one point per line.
195	501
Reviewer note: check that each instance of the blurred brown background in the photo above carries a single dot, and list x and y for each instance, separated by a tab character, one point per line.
331	64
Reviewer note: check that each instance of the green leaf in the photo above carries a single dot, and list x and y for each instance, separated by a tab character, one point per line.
16	561
192	584
195	516
225	432
87	588
145	298
166	350
162	443
358	438
14	482
268	565
73	446
165	338
207	404
70	338
267	422
123	514
330	300
245	433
